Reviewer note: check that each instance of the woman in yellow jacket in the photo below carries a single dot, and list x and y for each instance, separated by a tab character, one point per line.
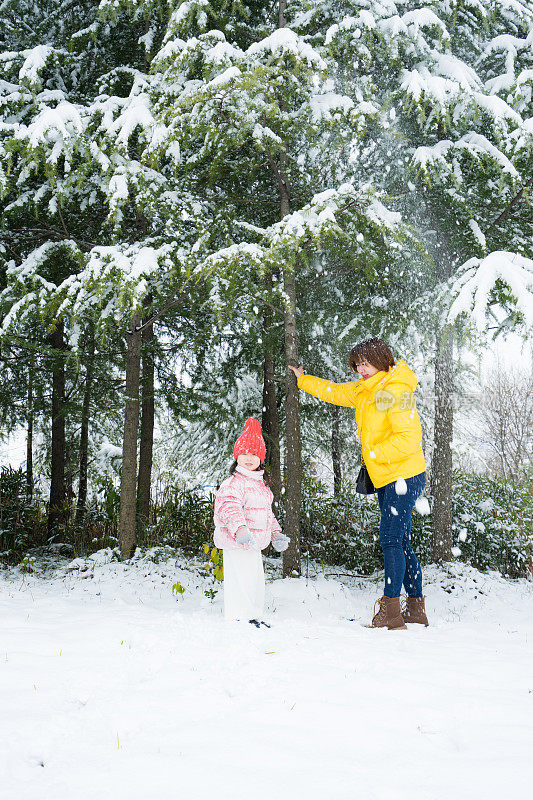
390	435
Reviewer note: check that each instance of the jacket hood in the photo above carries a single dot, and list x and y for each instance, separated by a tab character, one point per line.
399	373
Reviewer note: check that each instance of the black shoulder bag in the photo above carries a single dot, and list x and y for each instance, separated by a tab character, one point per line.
363	484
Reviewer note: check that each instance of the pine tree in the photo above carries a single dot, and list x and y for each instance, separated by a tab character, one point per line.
78	245
455	82
265	118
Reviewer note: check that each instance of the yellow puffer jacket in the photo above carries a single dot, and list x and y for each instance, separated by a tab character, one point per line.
387	419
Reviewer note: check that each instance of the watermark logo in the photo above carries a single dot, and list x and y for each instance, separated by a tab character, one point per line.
386	400
407	401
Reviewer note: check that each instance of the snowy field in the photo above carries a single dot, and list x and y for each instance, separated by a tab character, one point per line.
111	687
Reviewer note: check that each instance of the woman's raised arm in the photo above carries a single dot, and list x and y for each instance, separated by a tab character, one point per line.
338	394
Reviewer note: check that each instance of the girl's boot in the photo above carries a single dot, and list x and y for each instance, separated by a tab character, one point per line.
415	610
388	615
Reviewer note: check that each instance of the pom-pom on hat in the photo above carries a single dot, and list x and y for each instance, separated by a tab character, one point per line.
251	440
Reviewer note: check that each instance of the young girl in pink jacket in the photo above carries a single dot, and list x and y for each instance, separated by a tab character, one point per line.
244	525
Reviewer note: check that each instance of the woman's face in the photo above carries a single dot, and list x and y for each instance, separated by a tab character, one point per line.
248	461
365	370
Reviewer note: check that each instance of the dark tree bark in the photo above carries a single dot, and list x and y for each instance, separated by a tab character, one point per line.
147	428
293	450
270	421
29	437
441	462
441	465
128	484
57	511
336	450
69	483
85	419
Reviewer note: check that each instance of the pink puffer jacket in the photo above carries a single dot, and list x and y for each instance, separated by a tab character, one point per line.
244	500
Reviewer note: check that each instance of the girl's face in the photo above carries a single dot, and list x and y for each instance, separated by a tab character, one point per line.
248	461
366	370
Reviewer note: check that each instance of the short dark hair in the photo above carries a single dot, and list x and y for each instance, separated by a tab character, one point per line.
374	351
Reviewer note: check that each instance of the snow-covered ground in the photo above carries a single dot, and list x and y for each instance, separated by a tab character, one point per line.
111	687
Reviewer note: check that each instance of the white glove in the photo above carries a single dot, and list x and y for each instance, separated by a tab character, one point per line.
280	543
245	539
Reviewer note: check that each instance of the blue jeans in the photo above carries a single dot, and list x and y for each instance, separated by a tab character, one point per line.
401	564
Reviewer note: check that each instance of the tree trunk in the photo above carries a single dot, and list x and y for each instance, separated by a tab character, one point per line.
29	438
293	451
69	484
147	429
282	8
336	450
128	484
57	510
441	465
84	434
270	421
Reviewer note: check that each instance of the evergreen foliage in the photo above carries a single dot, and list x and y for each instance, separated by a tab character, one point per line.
184	157
492	525
19	516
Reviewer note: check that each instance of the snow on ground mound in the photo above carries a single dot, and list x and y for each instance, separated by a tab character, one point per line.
111	687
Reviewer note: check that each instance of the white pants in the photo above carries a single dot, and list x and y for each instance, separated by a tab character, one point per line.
244	584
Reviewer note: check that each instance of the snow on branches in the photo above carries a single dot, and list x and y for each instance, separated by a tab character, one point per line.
111	278
180	155
477	280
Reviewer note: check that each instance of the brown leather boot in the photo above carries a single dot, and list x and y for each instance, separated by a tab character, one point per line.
415	610
388	615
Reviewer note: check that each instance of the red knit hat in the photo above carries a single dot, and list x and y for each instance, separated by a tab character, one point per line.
251	440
